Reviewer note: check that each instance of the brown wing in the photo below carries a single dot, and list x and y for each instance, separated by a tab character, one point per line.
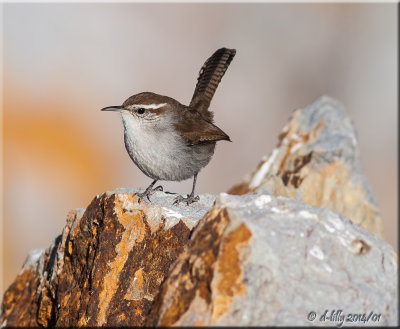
195	130
209	77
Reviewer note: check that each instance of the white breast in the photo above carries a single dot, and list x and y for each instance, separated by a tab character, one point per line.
159	151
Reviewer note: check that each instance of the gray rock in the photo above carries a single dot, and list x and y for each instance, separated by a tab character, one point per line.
317	161
302	259
161	205
33	258
298	260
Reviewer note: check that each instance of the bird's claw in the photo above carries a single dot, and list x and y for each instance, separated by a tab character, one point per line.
141	196
158	188
188	200
148	192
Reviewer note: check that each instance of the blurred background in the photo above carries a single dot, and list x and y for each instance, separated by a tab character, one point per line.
64	62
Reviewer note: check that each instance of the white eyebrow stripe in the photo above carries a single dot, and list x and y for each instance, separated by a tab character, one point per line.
149	106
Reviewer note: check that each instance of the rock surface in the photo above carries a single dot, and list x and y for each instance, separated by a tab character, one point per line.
106	267
317	161
253	259
263	260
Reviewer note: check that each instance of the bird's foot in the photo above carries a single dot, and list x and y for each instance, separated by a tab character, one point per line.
149	191
189	199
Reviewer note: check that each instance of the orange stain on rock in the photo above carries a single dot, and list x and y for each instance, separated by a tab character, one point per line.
136	288
229	275
135	230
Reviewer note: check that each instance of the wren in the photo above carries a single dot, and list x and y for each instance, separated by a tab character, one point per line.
171	141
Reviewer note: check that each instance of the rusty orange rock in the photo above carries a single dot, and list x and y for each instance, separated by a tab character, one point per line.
105	269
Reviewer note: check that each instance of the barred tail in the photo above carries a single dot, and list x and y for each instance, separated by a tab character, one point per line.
209	77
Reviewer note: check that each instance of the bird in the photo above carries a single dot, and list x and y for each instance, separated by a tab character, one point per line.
168	140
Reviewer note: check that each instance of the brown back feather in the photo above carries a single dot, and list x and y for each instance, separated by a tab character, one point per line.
209	77
194	129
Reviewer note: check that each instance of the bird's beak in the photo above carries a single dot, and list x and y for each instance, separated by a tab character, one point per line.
112	108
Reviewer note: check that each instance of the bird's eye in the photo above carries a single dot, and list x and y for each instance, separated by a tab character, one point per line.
141	110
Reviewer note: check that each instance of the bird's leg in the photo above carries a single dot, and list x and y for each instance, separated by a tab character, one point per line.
149	191
190	198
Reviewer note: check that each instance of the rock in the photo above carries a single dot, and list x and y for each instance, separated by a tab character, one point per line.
263	260
106	267
259	258
19	306
317	161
